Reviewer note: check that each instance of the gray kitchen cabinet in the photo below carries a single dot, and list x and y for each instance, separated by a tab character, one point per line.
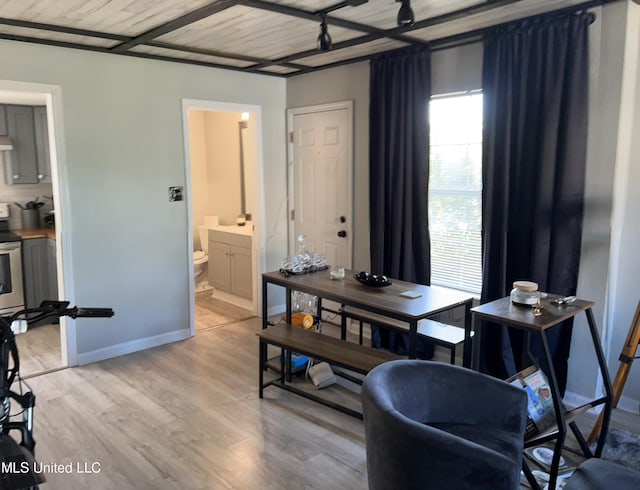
29	162
39	270
43	159
52	266
3	121
20	166
230	263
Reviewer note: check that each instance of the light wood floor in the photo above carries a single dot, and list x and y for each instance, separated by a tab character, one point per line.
213	313
39	349
187	415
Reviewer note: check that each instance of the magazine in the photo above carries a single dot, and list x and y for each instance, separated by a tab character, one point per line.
541	414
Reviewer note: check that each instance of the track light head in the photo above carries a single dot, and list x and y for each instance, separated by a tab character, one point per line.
405	14
324	39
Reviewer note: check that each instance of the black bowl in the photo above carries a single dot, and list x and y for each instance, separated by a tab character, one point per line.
372	280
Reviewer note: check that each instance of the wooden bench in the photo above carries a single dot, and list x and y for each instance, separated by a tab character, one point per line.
438	333
347	355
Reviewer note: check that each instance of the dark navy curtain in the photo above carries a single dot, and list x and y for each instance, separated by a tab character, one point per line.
400	88
535	89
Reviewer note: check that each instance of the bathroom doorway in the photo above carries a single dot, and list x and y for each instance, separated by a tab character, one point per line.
224	197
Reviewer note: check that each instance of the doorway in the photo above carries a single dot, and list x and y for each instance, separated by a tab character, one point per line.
223	154
44	347
320	183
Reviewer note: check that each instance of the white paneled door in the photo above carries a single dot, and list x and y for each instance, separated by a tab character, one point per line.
320	180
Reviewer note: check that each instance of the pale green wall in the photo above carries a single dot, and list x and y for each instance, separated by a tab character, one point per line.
123	133
624	278
349	82
606	39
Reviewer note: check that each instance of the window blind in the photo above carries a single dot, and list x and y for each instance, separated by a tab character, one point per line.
455	191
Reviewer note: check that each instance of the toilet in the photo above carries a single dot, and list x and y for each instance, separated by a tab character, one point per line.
200	260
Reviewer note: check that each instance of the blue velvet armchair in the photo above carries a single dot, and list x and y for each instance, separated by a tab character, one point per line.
431	425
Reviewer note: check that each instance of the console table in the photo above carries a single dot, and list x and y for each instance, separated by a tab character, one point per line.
386	301
504	312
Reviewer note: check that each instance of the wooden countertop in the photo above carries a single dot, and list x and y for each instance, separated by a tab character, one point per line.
36	233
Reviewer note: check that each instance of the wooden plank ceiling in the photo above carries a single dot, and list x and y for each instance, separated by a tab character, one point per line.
273	37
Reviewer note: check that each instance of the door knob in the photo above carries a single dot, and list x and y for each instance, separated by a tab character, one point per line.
342	233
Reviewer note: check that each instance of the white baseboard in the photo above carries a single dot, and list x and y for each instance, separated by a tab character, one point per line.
276	310
572	400
132	346
627	404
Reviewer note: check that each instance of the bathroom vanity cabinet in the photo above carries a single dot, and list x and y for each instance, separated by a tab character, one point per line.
40	274
29	161
230	263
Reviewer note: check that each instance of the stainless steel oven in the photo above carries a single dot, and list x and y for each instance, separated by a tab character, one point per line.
11	287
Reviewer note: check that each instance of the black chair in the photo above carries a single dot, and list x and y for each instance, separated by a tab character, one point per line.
430	425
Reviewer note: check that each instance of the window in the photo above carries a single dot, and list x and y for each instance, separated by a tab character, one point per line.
455	191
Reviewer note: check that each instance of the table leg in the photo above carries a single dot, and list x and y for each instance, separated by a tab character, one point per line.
264	303
413	338
604	372
468	344
288	305
282	365
343	324
581	441
559	410
529	475
262	356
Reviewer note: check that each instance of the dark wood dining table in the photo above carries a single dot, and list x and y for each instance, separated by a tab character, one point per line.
387	301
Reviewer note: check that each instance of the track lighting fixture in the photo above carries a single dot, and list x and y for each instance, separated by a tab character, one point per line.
405	14
324	39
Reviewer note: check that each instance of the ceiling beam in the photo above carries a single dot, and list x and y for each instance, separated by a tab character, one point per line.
313	52
221	54
63	29
177	23
99	49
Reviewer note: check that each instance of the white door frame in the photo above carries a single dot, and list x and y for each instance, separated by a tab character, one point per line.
51	96
348	105
258	236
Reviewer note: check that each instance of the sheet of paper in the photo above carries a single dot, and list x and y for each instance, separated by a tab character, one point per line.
411	294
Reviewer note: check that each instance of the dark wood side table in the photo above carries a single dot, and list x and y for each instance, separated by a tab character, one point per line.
504	312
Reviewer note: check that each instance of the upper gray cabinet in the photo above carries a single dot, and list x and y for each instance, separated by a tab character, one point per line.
28	162
3	121
43	162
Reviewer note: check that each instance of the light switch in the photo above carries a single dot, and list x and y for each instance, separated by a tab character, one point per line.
175	193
